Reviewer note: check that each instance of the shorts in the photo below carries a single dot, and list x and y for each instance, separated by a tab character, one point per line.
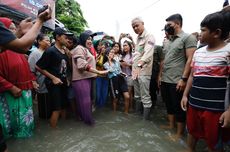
44	109
205	125
118	85
58	97
70	93
172	99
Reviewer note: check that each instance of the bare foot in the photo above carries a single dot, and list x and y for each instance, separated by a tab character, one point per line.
166	127
175	137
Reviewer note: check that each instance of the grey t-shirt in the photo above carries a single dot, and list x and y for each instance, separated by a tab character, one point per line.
175	56
33	58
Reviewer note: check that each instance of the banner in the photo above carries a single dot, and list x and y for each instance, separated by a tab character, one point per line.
31	7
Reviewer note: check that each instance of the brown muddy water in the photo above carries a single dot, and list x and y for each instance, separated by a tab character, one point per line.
113	132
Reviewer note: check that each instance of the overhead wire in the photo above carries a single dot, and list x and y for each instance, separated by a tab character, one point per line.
147	7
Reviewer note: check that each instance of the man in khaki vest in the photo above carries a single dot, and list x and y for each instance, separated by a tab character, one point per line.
142	67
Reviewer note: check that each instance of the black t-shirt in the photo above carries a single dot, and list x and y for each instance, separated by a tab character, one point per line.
55	63
6	36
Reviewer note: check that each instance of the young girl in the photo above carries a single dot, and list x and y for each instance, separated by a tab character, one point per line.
117	81
102	82
126	67
117	51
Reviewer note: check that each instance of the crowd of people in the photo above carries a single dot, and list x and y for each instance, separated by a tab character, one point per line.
83	73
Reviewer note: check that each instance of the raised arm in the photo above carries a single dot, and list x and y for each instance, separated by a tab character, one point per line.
29	32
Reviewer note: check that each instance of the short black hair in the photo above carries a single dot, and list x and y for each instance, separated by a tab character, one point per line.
217	20
40	37
175	18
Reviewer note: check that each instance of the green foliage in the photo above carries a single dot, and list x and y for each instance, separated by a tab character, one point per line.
70	14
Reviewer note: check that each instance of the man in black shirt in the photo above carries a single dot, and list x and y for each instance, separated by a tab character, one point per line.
54	64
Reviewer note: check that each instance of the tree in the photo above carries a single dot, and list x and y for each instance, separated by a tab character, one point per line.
70	14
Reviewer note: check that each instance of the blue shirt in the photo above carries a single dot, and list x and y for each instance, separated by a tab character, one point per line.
114	68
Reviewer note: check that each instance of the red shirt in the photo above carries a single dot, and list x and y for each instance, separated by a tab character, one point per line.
14	70
93	51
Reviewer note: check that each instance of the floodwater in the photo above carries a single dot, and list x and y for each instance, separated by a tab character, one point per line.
113	132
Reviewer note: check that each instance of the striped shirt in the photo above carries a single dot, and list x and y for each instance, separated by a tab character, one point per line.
210	72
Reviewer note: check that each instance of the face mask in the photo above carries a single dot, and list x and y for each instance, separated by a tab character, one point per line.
169	29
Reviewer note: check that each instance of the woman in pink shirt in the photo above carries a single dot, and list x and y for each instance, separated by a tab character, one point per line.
84	70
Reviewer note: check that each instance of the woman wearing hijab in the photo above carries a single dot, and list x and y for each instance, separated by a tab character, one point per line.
16	81
84	70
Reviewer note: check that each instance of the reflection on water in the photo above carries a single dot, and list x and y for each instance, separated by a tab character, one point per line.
113	132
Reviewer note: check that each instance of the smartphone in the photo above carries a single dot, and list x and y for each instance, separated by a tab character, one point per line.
124	75
44	8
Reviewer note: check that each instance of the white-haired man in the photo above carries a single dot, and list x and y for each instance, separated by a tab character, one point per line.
142	67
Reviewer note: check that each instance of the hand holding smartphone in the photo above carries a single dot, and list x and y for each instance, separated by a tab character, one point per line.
45	7
124	74
45	13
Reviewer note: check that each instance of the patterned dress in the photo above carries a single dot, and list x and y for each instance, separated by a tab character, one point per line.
16	115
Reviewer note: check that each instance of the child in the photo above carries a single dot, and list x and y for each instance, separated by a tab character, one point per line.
117	81
206	87
102	82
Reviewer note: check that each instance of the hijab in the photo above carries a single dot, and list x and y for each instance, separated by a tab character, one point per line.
83	38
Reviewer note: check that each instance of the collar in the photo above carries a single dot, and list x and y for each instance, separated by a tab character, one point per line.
180	34
40	50
177	35
59	49
142	35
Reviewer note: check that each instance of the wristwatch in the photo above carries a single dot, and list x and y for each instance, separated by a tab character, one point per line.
184	79
139	65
